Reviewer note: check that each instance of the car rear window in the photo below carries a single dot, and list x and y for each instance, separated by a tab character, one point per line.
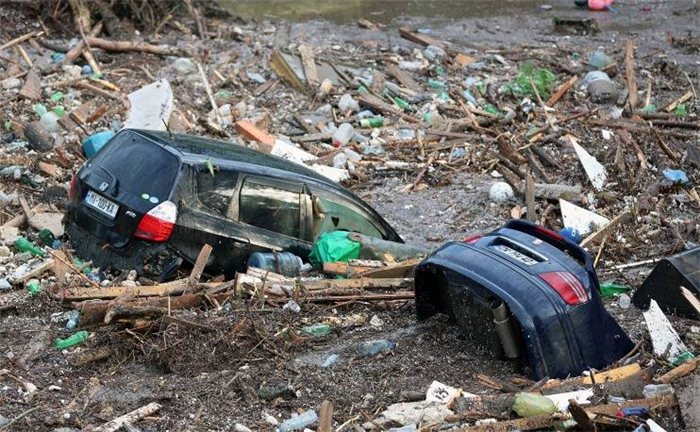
140	166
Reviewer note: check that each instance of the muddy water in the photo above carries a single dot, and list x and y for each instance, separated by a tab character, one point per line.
343	12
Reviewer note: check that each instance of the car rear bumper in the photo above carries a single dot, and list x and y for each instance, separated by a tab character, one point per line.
157	261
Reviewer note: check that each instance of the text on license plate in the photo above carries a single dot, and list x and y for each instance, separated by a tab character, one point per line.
516	255
101	204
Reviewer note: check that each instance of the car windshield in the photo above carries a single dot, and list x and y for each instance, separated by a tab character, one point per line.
140	166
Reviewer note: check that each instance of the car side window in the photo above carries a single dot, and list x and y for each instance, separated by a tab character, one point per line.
329	215
270	207
216	191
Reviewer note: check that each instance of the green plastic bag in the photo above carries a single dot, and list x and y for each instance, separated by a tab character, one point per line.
532	404
334	246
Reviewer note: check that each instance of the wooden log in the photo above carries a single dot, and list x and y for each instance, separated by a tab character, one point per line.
131	417
85	357
403	269
120	311
94	312
401	295
164	289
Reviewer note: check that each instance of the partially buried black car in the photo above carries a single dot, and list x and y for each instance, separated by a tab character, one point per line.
149	200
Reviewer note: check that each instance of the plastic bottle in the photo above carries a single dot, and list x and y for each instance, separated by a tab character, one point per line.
77	338
307	418
599	86
374	122
73	319
653	390
46	237
624	301
374	347
343	134
317	330
39	109
24	245
284	263
347	103
330	361
49	121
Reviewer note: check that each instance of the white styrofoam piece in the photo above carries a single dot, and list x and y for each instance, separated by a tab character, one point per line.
441	393
594	170
151	106
662	332
561	400
335	174
290	152
585	221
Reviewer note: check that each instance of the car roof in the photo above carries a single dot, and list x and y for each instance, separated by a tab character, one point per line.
199	149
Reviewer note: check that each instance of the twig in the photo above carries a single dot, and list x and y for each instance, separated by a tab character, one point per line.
561	91
210	94
19	417
126	46
21	39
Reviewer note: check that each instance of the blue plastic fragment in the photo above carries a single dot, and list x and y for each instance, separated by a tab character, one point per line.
87	70
95	142
676	176
633	411
571	233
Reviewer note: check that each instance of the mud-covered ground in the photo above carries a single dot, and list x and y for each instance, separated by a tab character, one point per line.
244	362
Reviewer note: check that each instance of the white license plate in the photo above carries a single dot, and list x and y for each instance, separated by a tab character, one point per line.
516	255
101	204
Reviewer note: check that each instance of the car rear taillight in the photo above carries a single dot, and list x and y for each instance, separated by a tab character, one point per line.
568	286
472	239
158	224
549	233
73	187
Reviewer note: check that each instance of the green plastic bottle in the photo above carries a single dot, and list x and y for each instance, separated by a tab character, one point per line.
24	245
317	330
34	287
374	122
75	339
610	289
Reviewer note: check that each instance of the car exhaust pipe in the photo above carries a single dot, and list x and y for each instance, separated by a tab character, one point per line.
505	328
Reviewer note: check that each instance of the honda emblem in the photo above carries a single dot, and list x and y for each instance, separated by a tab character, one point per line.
104	186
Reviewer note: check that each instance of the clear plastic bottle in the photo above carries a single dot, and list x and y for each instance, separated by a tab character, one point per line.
653	390
307	418
73	319
343	134
374	347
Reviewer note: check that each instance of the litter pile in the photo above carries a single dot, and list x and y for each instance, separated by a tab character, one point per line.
601	144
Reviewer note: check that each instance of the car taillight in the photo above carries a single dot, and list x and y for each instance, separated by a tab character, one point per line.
73	187
568	286
158	224
472	239
549	233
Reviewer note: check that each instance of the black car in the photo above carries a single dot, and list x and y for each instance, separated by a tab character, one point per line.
525	293
150	200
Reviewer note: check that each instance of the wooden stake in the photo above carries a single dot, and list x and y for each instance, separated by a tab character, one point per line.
325	419
629	69
561	91
199	265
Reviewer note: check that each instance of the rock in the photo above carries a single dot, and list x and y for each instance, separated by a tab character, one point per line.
39	138
8	234
11	83
500	192
273	391
424	412
32	86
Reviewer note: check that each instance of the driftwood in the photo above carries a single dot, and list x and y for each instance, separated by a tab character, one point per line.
20	39
119	311
131	417
126	46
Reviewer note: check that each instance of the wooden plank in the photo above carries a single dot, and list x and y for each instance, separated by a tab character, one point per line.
561	91
171	288
199	265
611	375
692	300
607	229
679	371
403	269
672	106
652	404
308	62
360	283
420	39
664	338
402	77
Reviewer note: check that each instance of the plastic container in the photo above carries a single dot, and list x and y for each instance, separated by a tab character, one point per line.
347	103
374	347
24	245
343	134
531	404
95	142
303	420
653	390
284	263
77	338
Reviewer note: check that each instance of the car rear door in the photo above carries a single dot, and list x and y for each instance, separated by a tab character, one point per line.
126	179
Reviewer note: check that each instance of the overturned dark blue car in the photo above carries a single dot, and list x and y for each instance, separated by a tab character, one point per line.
524	293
